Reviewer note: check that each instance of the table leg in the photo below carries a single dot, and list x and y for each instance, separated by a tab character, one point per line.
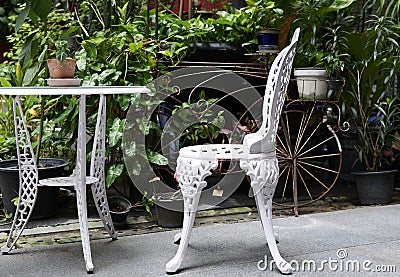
28	177
80	185
97	167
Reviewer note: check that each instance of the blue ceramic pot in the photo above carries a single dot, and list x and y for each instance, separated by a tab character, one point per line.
268	39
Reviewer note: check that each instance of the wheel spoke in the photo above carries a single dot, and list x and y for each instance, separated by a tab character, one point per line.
318	167
311	175
309	152
305	184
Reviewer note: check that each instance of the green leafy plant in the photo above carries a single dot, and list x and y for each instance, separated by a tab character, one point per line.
62	50
265	13
369	94
209	123
315	18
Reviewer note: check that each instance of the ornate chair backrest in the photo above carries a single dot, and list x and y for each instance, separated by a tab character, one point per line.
275	91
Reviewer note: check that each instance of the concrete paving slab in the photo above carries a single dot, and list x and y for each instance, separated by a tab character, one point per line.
355	242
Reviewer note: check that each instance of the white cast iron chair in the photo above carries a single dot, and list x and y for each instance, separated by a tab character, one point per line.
29	178
257	158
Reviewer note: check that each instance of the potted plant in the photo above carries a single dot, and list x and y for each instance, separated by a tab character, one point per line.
205	129
317	55
62	67
369	97
267	19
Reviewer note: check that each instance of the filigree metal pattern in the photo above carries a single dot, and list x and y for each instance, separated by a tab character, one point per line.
191	175
263	174
97	169
28	177
257	157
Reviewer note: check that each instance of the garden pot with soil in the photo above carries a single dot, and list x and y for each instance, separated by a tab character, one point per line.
169	209
46	202
119	209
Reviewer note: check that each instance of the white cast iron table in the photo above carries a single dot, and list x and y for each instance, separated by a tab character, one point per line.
28	168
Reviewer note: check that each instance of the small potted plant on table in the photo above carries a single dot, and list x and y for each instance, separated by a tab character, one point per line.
62	68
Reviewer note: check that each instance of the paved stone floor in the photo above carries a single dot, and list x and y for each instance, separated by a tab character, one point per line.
64	228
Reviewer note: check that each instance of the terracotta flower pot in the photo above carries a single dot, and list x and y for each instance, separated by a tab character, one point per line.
63	70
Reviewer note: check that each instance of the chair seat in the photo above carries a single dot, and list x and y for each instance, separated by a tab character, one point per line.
65	181
225	152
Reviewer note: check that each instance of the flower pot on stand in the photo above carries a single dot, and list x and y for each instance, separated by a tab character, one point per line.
375	187
268	39
62	73
46	202
312	83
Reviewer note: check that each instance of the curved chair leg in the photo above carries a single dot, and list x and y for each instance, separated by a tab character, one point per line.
262	224
188	221
264	177
283	266
191	175
177	238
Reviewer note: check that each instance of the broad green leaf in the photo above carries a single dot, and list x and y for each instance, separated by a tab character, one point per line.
116	132
113	172
24	55
81	60
30	74
4	82
21	17
339	4
41	8
156	158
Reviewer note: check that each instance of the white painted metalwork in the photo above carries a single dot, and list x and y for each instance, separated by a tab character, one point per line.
28	171
256	155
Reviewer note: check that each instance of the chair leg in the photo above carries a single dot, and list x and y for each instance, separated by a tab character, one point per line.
262	224
191	175
190	206
100	198
83	225
264	176
283	266
177	238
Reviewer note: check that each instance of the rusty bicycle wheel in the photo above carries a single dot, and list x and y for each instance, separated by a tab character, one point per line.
310	157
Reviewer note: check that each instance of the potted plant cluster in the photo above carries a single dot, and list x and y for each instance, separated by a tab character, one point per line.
372	104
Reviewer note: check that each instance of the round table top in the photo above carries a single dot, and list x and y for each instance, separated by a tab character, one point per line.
73	90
